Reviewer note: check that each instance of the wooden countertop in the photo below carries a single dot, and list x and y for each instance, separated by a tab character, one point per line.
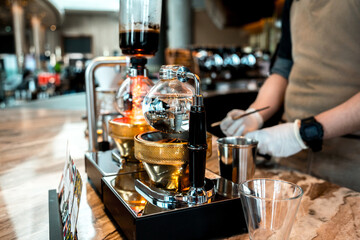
32	155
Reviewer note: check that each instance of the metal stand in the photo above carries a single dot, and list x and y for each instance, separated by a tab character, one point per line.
91	96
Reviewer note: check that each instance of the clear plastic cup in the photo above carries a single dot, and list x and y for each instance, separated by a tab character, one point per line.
270	207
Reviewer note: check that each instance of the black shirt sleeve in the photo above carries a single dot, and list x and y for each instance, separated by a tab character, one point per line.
283	59
285	40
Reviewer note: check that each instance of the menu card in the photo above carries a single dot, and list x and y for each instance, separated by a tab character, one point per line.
69	195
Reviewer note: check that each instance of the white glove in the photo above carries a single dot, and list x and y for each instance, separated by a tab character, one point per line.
243	125
281	140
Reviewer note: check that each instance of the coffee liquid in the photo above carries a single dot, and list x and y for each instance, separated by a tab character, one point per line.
138	42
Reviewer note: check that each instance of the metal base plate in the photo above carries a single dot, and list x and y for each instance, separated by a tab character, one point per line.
140	219
107	163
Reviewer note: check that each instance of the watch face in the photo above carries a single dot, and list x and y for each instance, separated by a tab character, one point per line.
311	132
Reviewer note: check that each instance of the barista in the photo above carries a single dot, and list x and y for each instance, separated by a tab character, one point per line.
316	76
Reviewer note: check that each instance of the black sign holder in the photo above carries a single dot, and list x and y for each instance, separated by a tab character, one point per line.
55	223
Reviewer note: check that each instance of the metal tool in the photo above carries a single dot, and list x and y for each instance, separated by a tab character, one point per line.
241	116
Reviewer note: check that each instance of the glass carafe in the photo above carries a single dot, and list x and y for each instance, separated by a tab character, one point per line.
139	27
167	105
132	91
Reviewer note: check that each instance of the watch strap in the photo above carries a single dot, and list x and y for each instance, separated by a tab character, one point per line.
311	132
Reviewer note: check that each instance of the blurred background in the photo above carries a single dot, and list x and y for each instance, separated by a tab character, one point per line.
45	45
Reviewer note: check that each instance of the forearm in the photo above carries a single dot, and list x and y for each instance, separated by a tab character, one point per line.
341	120
271	94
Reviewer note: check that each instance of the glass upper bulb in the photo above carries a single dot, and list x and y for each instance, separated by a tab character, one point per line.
130	96
167	105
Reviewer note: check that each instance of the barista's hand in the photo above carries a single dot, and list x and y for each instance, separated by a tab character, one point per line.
282	140
241	126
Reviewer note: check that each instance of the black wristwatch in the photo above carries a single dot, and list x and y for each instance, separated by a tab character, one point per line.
311	132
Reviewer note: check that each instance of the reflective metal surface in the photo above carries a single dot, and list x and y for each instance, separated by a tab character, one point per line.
123	130
237	158
172	200
124	185
165	158
197	196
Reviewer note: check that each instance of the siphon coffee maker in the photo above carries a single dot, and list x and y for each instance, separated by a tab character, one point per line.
139	29
190	206
175	196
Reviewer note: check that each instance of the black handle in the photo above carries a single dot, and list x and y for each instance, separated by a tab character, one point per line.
197	146
197	163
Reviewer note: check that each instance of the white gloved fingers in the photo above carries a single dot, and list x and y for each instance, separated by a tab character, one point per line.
239	131
278	141
236	128
263	141
251	124
243	125
256	118
228	121
235	112
225	123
